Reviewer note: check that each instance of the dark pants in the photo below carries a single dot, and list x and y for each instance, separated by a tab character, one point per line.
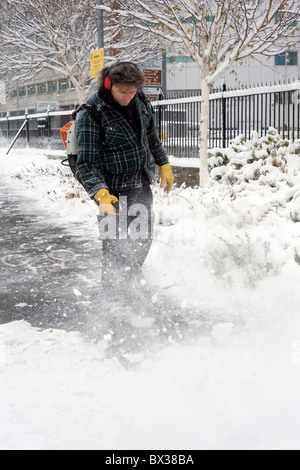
127	237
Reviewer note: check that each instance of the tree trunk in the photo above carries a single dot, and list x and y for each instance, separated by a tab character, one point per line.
81	95
204	176
80	89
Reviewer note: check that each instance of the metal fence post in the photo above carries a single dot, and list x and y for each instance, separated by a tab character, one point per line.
224	117
160	97
27	127
7	126
49	127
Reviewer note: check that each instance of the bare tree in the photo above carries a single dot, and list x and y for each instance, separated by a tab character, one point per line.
58	36
216	34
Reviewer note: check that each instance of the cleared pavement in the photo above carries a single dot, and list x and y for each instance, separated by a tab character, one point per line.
48	276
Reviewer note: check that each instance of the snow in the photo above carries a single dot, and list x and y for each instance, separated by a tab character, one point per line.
229	252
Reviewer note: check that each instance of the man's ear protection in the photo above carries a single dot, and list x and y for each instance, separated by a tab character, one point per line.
107	81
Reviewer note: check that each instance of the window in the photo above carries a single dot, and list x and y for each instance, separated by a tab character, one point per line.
41	88
292	58
40	40
32	37
63	84
52	86
178	59
22	91
190	19
171	60
287	58
278	17
64	27
280	59
78	24
31	90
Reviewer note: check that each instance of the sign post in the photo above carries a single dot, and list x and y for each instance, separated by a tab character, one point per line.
96	62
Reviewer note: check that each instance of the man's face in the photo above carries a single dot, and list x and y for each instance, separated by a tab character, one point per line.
123	94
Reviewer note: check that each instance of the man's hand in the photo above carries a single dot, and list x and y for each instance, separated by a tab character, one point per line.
105	200
167	177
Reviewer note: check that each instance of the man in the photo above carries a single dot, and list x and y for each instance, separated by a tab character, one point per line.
118	148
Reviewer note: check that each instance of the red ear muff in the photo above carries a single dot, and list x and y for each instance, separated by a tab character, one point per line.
107	83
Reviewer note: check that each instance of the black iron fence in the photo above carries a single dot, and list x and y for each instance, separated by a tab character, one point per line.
35	130
231	113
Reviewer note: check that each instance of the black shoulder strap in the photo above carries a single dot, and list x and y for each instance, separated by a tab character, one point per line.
94	113
90	108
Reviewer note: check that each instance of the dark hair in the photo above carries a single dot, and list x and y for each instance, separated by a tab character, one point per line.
126	73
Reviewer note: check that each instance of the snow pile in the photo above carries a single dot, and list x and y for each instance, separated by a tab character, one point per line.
229	253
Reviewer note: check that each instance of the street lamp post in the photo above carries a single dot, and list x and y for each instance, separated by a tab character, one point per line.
100	25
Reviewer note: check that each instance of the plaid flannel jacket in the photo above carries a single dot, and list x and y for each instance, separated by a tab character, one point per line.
110	155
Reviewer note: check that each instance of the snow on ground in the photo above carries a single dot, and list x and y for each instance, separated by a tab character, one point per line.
231	251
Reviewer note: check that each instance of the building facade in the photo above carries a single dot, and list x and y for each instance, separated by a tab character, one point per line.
183	73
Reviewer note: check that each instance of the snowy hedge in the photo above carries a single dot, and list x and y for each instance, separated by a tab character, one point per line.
260	161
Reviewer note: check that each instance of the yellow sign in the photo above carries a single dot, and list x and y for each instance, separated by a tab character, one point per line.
96	62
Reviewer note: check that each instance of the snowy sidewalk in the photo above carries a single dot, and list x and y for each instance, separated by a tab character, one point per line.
48	276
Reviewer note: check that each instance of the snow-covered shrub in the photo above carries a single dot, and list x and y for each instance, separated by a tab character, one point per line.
261	159
294	207
217	162
242	259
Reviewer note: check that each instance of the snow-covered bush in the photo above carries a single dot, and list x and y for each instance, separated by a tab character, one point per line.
241	259
262	159
261	162
295	207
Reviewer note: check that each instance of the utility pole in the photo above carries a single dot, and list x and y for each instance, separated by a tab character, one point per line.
97	57
100	25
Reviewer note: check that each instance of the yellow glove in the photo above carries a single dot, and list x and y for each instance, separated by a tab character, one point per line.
105	200
167	177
